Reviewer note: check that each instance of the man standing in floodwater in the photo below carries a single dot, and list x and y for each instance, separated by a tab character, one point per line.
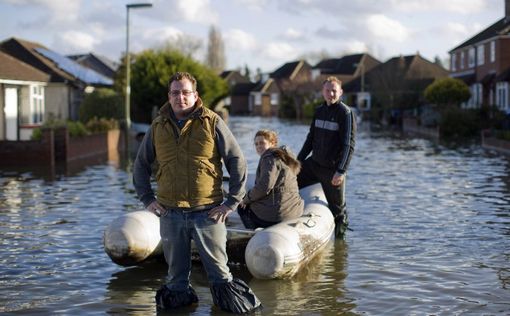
189	142
331	141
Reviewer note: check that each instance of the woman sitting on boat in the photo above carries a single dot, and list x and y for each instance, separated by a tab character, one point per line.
275	196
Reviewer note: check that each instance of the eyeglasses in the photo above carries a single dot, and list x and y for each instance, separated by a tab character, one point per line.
177	93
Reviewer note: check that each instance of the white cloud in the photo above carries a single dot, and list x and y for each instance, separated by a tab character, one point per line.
385	28
256	5
76	41
456	29
162	34
456	6
198	11
355	47
293	34
60	10
280	51
239	40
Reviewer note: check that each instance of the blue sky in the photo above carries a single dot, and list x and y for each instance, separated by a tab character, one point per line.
259	33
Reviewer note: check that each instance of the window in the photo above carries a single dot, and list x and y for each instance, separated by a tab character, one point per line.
480	54
32	104
258	98
471	57
462	60
274	98
315	73
502	100
493	51
37	104
453	61
476	96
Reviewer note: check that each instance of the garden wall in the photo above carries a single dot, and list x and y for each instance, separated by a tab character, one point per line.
490	142
411	125
57	146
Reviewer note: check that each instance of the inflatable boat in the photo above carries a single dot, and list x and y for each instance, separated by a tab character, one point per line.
276	252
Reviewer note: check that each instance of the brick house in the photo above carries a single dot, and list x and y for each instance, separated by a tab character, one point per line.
483	63
239	100
239	91
294	80
348	68
265	98
398	84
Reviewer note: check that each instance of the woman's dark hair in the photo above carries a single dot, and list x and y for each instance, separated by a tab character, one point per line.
280	152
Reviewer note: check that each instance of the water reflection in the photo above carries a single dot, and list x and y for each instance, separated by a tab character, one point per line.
431	235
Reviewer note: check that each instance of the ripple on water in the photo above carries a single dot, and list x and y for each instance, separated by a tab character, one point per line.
431	235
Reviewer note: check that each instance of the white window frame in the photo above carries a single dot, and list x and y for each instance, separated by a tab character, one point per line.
502	96
454	61
462	60
471	57
480	54
36	104
493	51
476	96
275	98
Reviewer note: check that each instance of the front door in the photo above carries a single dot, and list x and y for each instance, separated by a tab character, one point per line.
11	114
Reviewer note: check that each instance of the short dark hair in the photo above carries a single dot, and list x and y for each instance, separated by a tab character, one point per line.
180	75
332	79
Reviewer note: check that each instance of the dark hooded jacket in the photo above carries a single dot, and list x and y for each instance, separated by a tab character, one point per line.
275	196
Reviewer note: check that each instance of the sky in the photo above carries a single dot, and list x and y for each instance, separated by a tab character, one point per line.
259	34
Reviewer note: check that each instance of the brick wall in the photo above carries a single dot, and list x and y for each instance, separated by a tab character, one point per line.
57	146
29	152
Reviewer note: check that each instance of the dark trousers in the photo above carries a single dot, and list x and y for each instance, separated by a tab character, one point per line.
312	173
250	220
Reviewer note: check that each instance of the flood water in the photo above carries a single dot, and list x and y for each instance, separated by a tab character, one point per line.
431	236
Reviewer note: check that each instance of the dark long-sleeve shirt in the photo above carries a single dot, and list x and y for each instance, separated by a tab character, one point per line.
331	138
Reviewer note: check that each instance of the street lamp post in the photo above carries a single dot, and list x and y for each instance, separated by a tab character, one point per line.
128	64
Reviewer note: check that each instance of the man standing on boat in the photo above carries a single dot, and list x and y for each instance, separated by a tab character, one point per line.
189	142
331	141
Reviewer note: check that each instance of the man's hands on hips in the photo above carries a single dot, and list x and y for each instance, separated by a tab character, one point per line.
337	179
219	213
156	209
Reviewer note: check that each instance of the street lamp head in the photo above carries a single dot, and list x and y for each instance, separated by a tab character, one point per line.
138	5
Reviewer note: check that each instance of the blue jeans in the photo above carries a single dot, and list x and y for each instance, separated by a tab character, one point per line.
177	229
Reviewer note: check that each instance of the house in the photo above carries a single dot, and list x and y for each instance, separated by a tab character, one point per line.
483	63
68	80
346	69
98	63
265	98
22	91
239	102
234	78
294	79
398	83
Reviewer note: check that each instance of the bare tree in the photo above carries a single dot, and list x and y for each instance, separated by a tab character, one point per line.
215	57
